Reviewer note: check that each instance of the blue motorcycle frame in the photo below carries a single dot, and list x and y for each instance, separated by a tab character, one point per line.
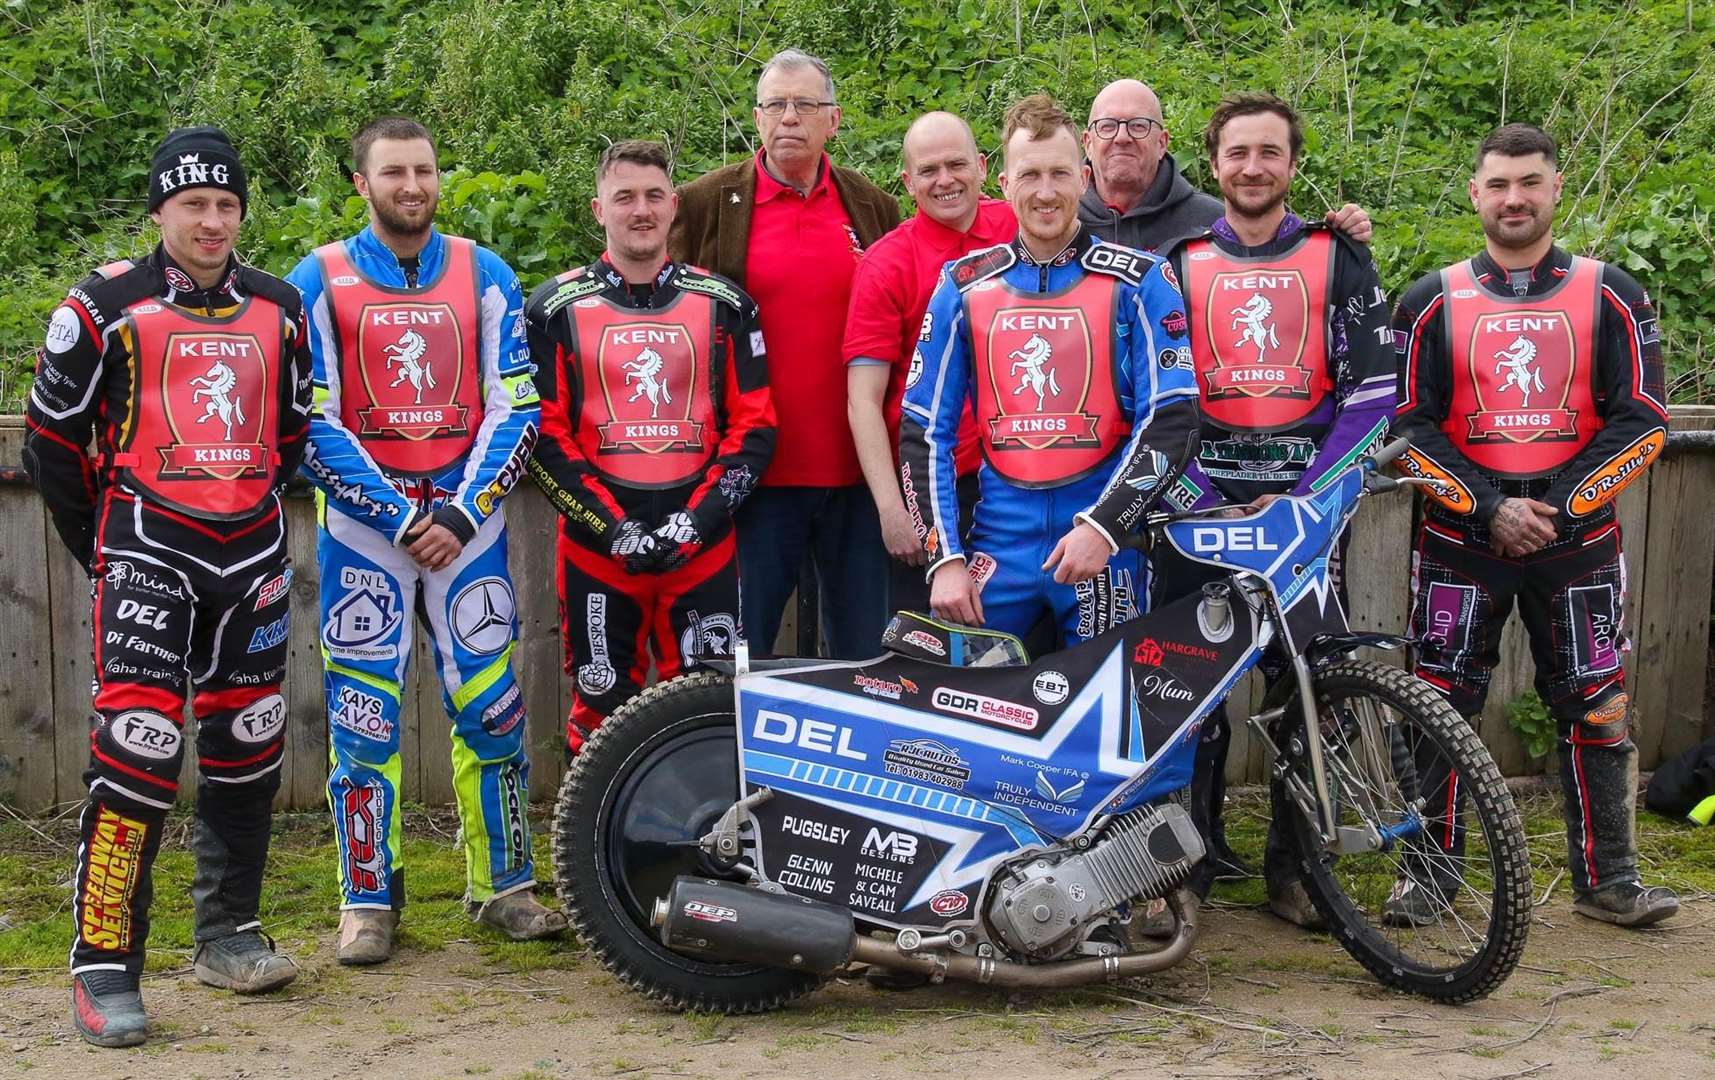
898	787
952	810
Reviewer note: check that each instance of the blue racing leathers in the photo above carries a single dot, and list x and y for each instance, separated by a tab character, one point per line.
424	408
1084	401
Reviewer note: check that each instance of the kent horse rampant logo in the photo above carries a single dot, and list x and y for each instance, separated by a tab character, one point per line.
1040	371
648	371
213	392
1258	323
413	364
1521	366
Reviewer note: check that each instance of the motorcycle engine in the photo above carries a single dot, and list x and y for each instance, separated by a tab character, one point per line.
1039	905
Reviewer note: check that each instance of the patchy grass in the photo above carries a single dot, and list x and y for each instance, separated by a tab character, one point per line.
1669	853
300	897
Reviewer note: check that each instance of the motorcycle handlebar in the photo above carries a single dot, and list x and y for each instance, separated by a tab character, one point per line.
1387	454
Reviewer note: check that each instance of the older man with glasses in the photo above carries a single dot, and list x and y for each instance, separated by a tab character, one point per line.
789	226
1137	195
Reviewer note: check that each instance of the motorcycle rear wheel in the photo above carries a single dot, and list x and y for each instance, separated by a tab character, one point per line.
652	779
1384	731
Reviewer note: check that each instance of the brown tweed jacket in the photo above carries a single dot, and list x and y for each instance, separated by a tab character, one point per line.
712	229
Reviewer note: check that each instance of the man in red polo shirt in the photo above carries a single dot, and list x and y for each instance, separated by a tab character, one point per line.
789	227
944	173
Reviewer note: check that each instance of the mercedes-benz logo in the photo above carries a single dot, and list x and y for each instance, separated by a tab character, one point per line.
482	615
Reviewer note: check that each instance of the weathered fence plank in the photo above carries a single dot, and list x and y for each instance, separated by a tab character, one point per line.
304	784
26	692
1671	623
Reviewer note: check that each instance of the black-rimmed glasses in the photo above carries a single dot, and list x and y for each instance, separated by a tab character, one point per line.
1109	128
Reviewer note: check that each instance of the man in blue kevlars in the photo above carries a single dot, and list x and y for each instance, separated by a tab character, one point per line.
1076	364
425	417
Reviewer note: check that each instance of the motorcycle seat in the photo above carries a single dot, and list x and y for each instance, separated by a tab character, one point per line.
924	637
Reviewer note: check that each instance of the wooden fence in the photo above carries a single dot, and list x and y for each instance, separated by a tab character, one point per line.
1668	520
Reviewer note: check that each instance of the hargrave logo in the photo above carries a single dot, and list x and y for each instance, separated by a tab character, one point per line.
647	373
1047	371
206	380
402	346
1521	366
1260	350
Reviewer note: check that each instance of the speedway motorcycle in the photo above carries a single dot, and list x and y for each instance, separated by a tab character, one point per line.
731	838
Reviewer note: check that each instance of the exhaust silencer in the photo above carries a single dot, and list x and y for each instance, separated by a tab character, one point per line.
719	920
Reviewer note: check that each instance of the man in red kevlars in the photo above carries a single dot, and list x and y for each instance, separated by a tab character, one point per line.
656	425
192	372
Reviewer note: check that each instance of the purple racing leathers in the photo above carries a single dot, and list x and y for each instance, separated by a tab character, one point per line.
1296	379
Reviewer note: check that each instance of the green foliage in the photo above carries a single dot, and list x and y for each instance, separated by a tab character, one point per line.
1529	718
523	94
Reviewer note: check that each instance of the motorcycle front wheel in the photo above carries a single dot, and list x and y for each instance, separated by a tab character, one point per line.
654	778
1440	905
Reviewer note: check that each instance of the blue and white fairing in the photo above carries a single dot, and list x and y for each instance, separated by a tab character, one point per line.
1287	544
899	785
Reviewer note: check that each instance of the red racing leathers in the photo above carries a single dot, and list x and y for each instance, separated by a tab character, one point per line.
656	423
198	401
1542	384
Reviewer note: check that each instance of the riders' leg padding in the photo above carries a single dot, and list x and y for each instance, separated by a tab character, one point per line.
241	739
1599	781
1461	597
604	623
697	610
494	803
113	882
1572	600
470	610
367	594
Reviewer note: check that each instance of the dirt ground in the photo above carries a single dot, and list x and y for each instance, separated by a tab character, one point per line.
1258	1000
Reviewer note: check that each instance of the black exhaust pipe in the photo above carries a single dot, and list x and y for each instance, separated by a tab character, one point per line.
718	920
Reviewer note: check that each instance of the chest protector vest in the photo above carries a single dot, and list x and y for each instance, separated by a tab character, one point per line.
204	429
645	405
410	382
1047	397
1259	332
1523	401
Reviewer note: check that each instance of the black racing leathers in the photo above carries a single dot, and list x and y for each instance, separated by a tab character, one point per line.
656	424
1570	593
1627	383
197	401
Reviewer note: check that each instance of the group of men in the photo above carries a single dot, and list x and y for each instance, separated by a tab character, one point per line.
977	406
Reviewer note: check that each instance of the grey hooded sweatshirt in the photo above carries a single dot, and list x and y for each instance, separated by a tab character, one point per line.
1170	209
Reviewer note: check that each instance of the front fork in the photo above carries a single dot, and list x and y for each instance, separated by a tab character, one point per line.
1315	800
